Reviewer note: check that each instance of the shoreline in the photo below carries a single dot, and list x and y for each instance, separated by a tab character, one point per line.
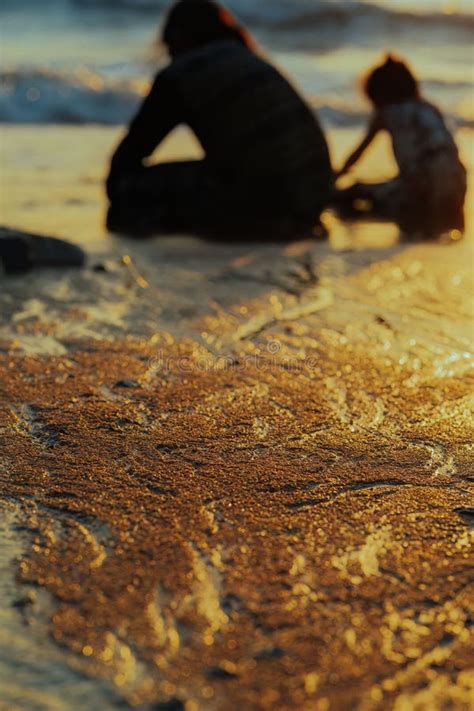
249	465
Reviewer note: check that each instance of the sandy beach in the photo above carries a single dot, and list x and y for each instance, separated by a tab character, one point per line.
231	476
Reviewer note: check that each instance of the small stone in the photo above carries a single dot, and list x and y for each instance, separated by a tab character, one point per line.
173	704
22	602
127	384
166	448
270	653
221	672
467	514
106	267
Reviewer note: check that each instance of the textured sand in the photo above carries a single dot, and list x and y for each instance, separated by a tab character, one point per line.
240	478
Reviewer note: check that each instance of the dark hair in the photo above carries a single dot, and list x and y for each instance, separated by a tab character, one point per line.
195	23
391	83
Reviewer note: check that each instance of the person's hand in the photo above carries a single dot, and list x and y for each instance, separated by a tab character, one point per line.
338	174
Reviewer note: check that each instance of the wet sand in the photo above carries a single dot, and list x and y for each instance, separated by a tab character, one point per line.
235	477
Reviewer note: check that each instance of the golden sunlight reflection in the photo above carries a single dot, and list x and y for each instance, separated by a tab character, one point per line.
234	475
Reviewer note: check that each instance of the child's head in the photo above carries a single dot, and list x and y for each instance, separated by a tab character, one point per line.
391	83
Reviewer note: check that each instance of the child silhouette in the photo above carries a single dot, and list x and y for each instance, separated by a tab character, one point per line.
428	194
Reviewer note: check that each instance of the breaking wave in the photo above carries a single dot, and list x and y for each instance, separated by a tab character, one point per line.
45	96
311	14
82	97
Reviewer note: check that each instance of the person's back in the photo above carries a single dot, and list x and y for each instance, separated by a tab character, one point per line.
266	165
251	122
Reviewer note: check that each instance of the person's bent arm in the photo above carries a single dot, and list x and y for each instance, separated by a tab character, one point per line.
374	128
157	116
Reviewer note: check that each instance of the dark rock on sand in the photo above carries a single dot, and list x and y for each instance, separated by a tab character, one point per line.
22	251
127	384
221	672
100	268
270	653
23	602
171	705
467	514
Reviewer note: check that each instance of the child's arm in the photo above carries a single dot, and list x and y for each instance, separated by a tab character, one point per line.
374	128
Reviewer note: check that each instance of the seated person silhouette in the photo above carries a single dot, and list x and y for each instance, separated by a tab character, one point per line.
427	197
266	172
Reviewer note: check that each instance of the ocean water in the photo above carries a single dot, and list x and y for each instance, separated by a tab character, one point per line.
90	61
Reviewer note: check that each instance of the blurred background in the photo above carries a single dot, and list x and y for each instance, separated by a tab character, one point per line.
88	61
73	72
